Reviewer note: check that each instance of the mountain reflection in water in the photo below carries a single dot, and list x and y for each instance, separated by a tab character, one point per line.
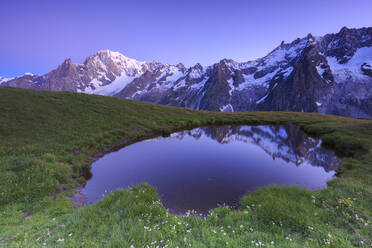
201	168
289	142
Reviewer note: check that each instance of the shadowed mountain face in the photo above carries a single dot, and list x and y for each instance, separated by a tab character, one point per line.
288	143
330	74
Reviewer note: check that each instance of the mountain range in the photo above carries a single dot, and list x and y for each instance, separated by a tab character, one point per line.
330	74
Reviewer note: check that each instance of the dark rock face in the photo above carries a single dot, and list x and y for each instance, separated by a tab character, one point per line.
330	74
217	88
366	69
300	90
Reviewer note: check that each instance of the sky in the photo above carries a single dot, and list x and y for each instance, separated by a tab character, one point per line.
38	35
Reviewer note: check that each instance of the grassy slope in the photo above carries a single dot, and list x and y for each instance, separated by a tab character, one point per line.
47	141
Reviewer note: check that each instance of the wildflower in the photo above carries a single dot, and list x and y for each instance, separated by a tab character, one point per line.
60	240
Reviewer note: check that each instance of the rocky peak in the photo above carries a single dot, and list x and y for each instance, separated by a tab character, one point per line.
311	40
310	36
197	66
66	64
65	68
195	72
227	64
181	67
344	30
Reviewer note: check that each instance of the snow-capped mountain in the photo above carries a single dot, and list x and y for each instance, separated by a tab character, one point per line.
330	74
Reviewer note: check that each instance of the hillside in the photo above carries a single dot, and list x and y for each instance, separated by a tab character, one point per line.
49	139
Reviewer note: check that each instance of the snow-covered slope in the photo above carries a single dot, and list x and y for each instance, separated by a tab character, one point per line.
3	80
110	72
353	69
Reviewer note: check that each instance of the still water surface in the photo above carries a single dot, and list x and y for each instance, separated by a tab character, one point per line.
204	167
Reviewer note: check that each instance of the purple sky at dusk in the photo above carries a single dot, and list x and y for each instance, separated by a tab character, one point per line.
36	36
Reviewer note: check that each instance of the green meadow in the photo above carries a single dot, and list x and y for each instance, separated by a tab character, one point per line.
48	141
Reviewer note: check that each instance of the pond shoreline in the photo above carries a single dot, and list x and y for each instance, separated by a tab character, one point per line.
166	133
